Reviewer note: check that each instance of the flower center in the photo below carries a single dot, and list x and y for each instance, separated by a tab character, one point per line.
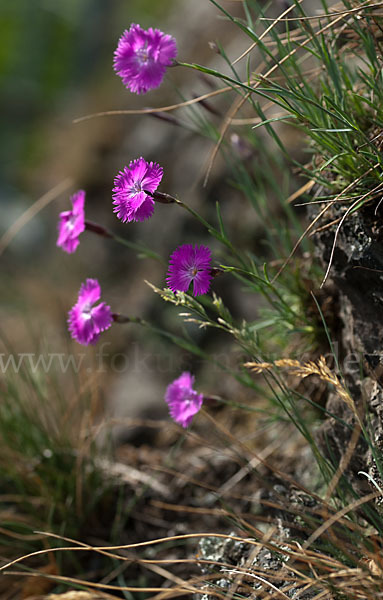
143	55
71	222
187	397
86	312
137	187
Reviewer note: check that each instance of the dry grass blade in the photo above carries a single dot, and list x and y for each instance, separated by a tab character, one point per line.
78	595
148	111
75	595
302	190
225	126
345	460
264	34
279	593
86	547
182	587
348	11
91	584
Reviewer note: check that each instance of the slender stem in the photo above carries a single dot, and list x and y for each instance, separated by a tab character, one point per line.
98	229
168	199
211	229
104	232
118	318
139	248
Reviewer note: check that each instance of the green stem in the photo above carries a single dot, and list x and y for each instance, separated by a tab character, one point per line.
213	231
140	248
146	252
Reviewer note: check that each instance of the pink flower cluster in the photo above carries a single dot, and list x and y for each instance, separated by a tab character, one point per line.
141	59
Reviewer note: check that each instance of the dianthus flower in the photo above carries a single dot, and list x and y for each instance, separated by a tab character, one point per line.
142	56
183	401
130	200
87	321
187	264
71	223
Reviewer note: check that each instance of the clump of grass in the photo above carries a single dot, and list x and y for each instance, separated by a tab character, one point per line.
51	473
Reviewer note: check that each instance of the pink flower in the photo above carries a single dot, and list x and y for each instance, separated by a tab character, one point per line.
85	320
190	264
71	223
183	401
142	56
130	200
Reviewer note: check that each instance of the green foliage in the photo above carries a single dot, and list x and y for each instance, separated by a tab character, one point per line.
341	114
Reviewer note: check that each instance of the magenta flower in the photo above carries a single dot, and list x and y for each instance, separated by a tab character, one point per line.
130	200
189	264
183	401
142	56
86	321
71	223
